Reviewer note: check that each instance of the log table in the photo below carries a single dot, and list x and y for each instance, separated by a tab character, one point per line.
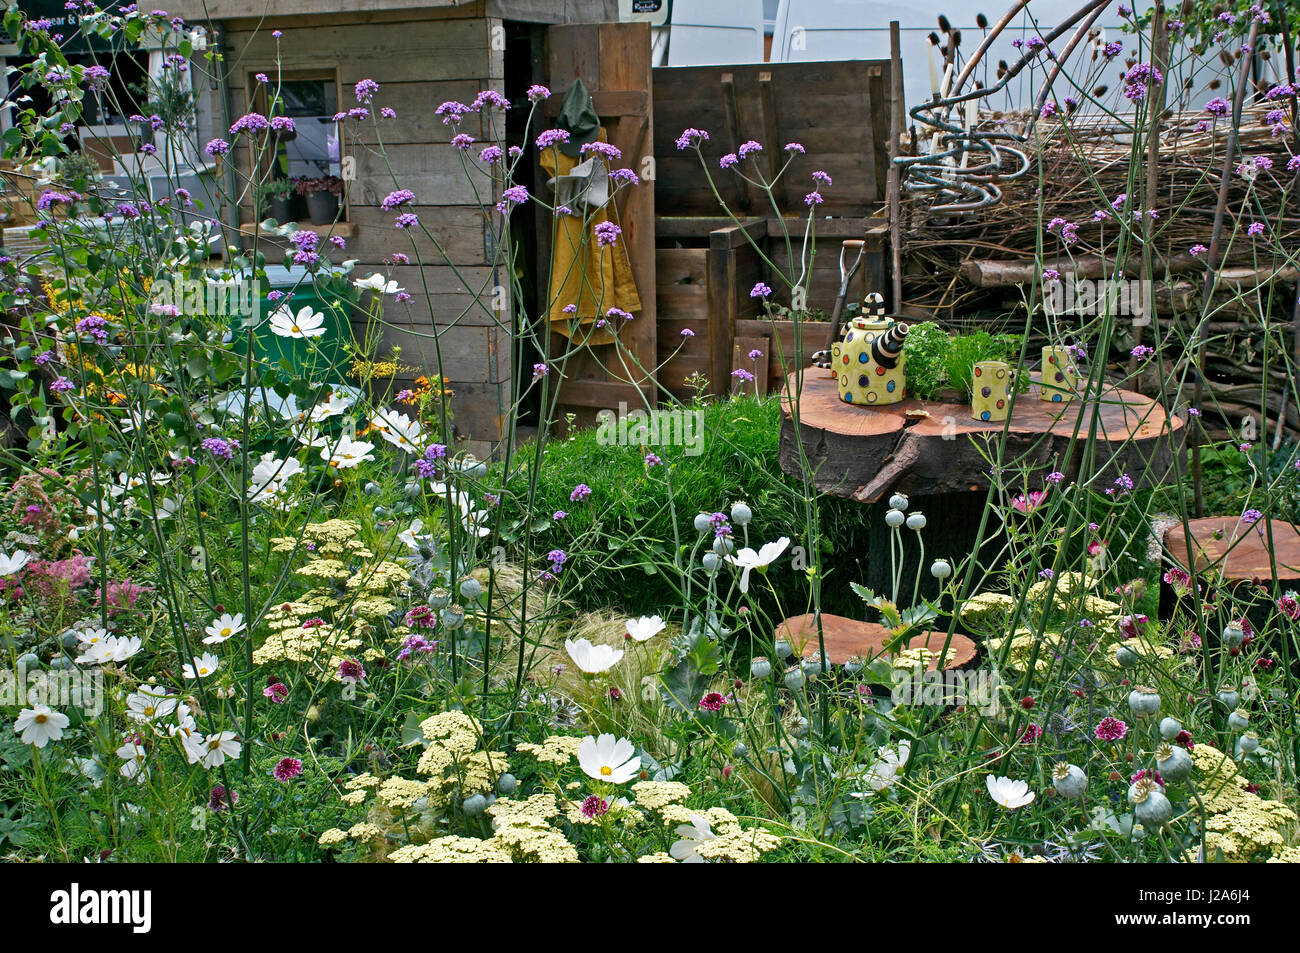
845	638
931	451
1229	551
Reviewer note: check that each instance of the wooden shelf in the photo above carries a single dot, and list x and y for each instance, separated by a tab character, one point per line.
342	229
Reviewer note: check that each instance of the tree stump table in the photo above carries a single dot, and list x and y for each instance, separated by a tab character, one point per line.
1227	550
931	451
846	638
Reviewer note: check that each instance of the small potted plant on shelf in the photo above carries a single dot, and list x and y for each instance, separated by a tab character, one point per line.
274	199
322	194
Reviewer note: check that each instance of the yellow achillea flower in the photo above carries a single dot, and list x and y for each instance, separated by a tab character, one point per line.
558	750
657	795
530	840
332	837
659	857
353	798
401	792
365	781
538	807
452	850
1242	826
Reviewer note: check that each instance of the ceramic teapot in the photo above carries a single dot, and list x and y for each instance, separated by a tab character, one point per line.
868	361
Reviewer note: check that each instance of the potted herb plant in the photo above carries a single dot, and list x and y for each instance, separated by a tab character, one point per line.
322	194
273	199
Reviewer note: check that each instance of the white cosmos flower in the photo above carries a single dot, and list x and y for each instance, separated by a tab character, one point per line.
132	754
333	406
399	430
270	476
224	627
747	559
40	725
608	759
592	659
376	282
692	836
114	648
185	727
149	702
212	751
475	521
346	452
645	628
1010	794
119	648
411	538
305	324
204	665
884	773
11	564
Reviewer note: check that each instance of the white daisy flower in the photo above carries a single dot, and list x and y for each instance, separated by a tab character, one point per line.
223	628
608	759
40	725
645	628
592	659
305	324
203	666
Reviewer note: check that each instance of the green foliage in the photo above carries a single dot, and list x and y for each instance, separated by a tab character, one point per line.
927	348
969	349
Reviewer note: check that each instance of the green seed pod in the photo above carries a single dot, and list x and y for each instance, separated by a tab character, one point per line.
470	588
1170	728
1143	701
1153	810
1233	635
439	598
898	502
895	519
1239	720
702	522
1125	656
794	678
1248	743
1069	780
940	569
1229	698
760	667
474	805
741	514
783	649
507	784
1174	763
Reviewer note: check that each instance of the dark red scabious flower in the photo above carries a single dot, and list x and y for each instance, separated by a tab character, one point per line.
1247	631
1263	663
1252	788
220	800
350	670
615	692
287	770
594	806
1184	738
1289	606
1110	729
277	692
1031	733
1027	702
713	701
1153	775
1131	626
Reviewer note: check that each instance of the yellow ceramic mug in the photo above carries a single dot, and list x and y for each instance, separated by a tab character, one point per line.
1060	378
991	385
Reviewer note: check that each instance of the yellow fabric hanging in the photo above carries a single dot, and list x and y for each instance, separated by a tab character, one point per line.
583	273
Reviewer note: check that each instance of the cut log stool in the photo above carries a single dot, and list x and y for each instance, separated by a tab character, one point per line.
845	638
1230	552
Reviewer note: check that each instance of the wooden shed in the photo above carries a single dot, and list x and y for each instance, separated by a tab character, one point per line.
693	267
422	53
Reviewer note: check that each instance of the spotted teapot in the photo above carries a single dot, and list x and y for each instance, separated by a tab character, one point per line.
868	361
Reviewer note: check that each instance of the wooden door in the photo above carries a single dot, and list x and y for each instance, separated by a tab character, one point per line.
613	62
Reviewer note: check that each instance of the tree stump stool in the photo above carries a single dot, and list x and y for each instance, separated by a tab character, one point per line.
846	638
1231	552
931	451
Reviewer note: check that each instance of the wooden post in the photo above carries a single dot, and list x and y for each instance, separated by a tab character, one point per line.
894	179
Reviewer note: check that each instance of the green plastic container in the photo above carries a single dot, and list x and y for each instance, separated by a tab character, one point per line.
320	359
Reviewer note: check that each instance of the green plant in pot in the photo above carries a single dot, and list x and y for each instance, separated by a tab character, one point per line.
940	365
273	199
322	194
